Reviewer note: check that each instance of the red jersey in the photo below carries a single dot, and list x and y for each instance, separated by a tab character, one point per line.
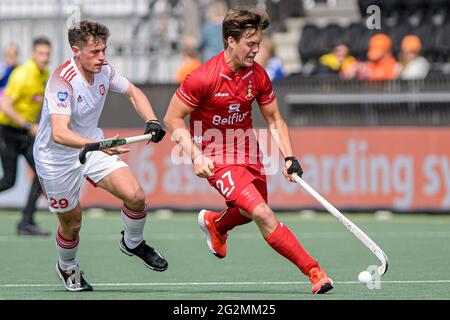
222	119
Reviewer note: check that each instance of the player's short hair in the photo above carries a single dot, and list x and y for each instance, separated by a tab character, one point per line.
238	22
80	34
41	40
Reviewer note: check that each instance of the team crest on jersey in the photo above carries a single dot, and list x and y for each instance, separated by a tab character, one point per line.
79	99
249	94
102	89
62	95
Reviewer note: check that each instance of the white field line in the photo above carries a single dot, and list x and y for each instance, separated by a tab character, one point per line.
182	284
249	236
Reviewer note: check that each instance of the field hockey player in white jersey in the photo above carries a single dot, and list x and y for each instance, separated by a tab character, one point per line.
74	99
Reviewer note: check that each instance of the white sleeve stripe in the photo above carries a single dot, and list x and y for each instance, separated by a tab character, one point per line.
69	74
71	77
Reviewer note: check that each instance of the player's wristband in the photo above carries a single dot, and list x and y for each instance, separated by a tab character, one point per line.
290	159
152	120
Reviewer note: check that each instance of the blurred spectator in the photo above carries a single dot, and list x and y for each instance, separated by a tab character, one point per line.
412	64
21	106
339	61
268	59
7	66
381	65
190	60
211	39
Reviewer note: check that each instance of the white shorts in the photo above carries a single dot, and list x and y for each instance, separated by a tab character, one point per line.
63	192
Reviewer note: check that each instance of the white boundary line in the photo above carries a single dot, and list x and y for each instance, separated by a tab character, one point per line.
154	284
247	236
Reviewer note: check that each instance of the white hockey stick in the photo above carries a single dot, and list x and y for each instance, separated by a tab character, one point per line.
346	222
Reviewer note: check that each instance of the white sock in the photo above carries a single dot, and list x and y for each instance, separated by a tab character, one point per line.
67	251
134	223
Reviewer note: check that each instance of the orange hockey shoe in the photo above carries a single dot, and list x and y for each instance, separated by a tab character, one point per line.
217	242
319	280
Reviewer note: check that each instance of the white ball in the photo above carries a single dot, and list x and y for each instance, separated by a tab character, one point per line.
364	277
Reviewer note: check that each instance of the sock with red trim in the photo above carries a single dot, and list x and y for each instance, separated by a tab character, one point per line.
228	219
67	251
283	241
134	222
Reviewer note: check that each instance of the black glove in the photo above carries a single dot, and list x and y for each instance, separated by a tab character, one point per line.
156	130
294	167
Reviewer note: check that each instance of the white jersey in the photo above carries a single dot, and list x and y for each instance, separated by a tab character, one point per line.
68	93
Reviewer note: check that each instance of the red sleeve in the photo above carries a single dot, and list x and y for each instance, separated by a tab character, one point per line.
266	94
193	89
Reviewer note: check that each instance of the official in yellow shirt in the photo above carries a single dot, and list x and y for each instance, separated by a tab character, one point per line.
25	88
21	106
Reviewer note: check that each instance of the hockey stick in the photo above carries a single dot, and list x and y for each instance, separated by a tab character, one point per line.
350	225
105	144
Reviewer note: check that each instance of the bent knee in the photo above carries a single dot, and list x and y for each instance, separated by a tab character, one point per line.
262	213
135	200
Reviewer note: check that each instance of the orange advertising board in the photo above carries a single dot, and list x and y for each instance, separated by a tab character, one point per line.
353	168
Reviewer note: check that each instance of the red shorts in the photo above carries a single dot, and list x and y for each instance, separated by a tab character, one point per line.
230	181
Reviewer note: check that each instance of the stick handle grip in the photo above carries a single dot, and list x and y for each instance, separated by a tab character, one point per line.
106	144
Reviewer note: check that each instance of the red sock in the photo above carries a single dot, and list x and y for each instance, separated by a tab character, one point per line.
230	218
283	241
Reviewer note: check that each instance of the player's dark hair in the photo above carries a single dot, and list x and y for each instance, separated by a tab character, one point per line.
238	22
41	40
80	34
